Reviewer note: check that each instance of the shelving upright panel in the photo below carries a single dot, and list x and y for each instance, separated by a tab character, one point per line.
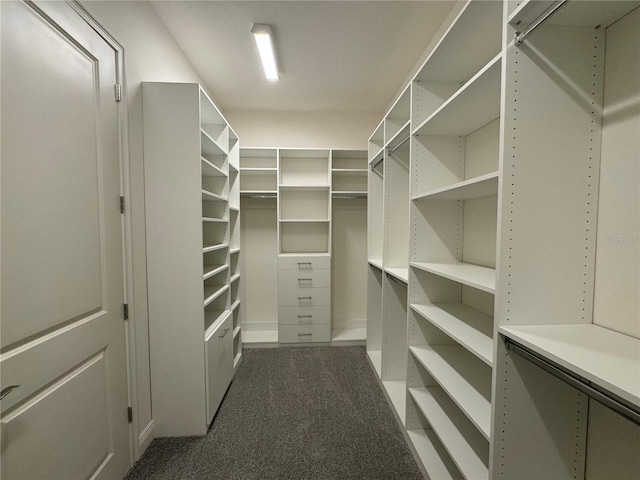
188	147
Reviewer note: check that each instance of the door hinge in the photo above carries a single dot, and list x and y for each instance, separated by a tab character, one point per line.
118	92
121	204
125	311
130	414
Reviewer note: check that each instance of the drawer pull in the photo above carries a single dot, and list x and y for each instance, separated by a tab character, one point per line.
308	267
305	334
305	299
300	280
305	316
226	330
7	391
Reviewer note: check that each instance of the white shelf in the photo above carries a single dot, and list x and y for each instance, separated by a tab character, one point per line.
349	171
482	186
209	196
435	460
213	248
400	135
397	393
401	274
209	145
476	276
376	263
467	326
463	442
375	357
273	193
463	378
236	360
609	359
305	188
234	278
210	170
582	13
259	171
236	331
215	220
211	270
233	208
350	193
348	334
234	250
235	305
308	220
475	104
211	292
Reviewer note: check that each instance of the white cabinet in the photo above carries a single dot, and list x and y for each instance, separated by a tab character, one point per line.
192	232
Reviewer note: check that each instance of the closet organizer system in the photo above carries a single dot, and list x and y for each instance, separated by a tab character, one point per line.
503	316
303	228
192	203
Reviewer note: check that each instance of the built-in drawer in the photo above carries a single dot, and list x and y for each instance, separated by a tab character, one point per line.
303	315
304	333
304	278
304	262
303	297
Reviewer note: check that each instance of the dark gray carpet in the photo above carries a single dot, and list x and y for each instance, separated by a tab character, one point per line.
292	413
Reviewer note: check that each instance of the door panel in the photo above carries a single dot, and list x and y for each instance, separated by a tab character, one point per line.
62	327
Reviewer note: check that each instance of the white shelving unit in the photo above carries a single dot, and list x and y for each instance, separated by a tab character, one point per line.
520	276
192	227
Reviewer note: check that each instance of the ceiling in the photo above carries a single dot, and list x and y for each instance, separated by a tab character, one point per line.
338	56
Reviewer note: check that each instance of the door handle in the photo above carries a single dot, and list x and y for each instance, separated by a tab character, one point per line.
6	391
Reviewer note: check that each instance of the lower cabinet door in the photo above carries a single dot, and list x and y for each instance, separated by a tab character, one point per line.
304	333
219	368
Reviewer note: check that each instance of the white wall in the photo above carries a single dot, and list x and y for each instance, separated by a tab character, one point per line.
151	54
303	129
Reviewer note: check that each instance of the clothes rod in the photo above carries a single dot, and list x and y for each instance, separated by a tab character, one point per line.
390	151
248	195
520	37
585	386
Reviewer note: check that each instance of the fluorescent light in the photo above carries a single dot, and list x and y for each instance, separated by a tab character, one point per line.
262	36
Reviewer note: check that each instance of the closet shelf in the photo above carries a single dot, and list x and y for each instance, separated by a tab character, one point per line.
349	171
209	146
235	305
213	248
233	208
235	250
211	170
584	14
466	380
463	442
606	358
305	188
436	462
469	327
211	270
215	220
211	292
475	104
213	197
400	136
246	193
234	278
258	171
233	168
236	331
397	393
213	318
236	360
476	276
376	263
348	334
401	274
304	220
482	186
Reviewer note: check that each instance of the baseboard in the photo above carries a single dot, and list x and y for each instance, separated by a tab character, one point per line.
146	437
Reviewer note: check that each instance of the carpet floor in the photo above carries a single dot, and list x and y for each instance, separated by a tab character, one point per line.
292	413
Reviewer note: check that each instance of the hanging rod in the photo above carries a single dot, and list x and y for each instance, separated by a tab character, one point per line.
520	37
404	140
267	195
582	384
342	196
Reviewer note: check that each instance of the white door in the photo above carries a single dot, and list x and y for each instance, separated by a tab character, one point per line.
62	327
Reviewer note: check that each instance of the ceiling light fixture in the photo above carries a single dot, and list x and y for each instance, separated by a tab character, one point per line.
262	36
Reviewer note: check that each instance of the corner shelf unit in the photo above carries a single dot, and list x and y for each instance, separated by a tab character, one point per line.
503	259
192	226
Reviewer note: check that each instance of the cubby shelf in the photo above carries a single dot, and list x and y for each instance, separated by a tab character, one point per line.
211	270
213	248
475	104
213	197
604	357
236	331
476	276
401	274
481	186
469	327
235	305
376	263
211	292
234	278
436	462
215	220
468	448
466	380
400	135
211	170
209	145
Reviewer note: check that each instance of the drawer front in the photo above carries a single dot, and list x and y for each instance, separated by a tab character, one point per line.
304	333
303	315
304	279
219	368
303	262
304	297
